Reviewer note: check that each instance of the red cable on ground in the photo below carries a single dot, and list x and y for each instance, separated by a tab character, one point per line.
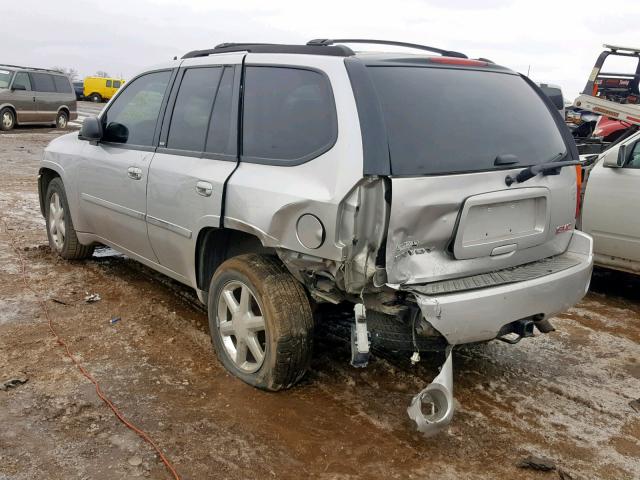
63	344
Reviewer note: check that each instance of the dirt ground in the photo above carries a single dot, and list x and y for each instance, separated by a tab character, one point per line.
566	396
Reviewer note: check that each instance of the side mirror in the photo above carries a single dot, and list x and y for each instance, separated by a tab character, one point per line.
18	87
616	161
91	130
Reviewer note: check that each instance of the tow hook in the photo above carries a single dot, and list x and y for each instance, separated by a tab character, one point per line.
437	397
360	338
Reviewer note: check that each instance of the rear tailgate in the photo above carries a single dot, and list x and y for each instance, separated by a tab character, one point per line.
450	226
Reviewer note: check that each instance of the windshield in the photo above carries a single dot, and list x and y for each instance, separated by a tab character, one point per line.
5	78
442	120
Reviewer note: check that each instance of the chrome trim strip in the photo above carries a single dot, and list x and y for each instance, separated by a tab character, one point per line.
113	206
169	226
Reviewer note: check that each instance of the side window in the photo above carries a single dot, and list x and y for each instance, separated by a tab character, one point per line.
634	158
133	115
108	83
22	80
116	84
289	115
192	110
221	137
62	84
42	82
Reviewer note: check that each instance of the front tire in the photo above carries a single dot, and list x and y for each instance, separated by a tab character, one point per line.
62	236
7	119
260	322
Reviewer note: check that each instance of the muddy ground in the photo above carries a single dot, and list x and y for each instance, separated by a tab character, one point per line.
565	396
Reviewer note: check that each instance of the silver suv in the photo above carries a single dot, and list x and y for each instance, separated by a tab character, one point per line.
434	194
31	96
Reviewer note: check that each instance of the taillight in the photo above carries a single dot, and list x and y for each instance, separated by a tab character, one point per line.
578	189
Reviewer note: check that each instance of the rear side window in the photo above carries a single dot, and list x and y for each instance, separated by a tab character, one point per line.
442	120
192	110
109	83
289	115
42	82
221	138
22	80
62	84
133	115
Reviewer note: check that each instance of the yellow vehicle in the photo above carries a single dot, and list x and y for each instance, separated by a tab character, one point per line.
101	89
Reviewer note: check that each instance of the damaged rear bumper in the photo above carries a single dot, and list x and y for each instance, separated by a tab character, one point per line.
478	315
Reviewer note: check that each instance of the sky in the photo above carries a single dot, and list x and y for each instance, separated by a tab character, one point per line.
555	41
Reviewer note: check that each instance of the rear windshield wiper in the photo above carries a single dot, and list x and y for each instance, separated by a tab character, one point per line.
552	166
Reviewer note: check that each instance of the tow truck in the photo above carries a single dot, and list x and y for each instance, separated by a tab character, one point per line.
613	95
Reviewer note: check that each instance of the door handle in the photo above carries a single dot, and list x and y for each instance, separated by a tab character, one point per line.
204	188
134	173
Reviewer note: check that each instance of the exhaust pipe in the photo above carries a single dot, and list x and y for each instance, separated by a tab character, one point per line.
437	399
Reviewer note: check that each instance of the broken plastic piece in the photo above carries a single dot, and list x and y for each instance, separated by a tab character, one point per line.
415	358
94	297
359	338
438	398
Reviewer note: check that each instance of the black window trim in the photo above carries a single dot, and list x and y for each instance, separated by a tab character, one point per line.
294	162
166	122
154	144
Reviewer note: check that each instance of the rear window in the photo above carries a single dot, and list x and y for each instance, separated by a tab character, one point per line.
442	121
62	84
289	115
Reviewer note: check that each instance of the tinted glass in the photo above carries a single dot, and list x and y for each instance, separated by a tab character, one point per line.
116	84
42	82
221	138
192	110
62	84
289	114
5	78
109	83
133	115
22	79
456	120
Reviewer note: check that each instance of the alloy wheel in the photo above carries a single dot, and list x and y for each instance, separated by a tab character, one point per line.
7	120
241	326
56	221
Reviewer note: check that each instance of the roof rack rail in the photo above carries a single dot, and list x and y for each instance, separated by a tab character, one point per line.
329	41
338	50
29	68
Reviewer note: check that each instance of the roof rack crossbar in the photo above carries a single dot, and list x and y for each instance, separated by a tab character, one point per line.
329	41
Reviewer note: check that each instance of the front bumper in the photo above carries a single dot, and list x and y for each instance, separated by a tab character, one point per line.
478	315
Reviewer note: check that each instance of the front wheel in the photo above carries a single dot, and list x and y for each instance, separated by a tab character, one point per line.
62	235
260	321
7	119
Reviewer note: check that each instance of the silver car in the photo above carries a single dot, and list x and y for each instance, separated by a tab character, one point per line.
410	188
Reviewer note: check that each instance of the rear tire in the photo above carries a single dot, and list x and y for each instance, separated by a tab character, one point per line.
267	341
95	97
62	236
62	119
7	119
